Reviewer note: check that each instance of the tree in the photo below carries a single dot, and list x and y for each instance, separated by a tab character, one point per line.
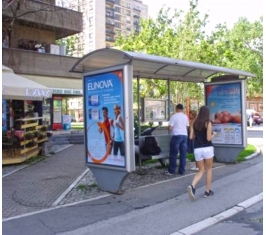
70	43
182	36
176	36
240	48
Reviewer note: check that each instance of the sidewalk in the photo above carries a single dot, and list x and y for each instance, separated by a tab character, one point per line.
37	186
63	179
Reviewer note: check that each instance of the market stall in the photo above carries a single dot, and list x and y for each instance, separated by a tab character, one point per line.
23	128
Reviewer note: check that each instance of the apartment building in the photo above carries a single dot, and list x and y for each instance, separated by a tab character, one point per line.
104	19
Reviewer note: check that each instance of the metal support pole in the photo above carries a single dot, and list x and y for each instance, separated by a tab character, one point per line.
139	128
169	97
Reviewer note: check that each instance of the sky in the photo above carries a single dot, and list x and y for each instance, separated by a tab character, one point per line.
219	11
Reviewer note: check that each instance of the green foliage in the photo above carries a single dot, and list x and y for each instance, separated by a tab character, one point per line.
182	36
35	159
190	157
86	187
250	149
70	43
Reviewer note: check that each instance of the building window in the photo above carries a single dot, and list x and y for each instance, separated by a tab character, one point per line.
117	9
117	25
128	5
117	17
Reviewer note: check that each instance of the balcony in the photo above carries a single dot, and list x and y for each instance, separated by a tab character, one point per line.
108	39
35	63
136	9
110	16
62	21
110	31
109	23
111	1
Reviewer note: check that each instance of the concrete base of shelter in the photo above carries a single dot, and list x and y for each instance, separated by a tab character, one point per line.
109	180
227	154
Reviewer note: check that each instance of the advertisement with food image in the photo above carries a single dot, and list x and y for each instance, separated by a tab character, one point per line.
224	102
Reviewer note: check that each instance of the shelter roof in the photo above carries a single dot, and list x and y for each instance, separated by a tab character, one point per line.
152	66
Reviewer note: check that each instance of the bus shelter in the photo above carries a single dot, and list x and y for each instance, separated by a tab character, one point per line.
108	104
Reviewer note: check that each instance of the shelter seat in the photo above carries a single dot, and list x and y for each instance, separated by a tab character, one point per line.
163	138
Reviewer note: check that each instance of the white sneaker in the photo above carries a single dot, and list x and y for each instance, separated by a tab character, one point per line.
194	168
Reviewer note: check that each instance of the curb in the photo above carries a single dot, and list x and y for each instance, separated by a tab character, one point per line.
60	198
258	151
197	227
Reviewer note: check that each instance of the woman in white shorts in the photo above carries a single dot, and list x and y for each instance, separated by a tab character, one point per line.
203	150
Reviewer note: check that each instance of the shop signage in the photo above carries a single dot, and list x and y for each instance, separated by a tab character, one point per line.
63	91
38	92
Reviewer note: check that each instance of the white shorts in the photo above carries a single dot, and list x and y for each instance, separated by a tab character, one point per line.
203	153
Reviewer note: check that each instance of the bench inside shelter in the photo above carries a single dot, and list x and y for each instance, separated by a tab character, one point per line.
162	137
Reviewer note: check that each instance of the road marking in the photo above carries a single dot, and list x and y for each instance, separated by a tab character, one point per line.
197	227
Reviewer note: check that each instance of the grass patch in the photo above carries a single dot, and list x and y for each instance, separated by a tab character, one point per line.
32	160
190	157
77	125
250	149
86	187
83	187
93	185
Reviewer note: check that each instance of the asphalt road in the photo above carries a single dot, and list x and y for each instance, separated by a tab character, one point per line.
249	221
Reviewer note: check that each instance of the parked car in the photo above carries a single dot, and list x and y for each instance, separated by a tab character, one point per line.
73	119
257	118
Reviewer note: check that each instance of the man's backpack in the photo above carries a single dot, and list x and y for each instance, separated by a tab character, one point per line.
150	146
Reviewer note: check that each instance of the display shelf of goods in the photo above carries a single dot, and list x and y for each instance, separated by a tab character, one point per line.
30	124
30	141
42	138
28	136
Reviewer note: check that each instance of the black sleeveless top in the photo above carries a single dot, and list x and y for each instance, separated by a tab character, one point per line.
201	139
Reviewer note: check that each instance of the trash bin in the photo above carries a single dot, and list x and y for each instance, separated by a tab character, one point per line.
66	122
66	126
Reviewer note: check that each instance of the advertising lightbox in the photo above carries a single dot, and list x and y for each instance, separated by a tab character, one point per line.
107	119
154	110
225	104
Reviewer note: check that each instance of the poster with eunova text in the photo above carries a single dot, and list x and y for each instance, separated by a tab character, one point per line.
224	102
104	119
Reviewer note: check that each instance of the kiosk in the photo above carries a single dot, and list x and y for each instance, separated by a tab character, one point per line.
107	83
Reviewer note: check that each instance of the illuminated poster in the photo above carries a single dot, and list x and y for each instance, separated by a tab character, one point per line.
154	110
224	102
104	114
57	113
4	115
